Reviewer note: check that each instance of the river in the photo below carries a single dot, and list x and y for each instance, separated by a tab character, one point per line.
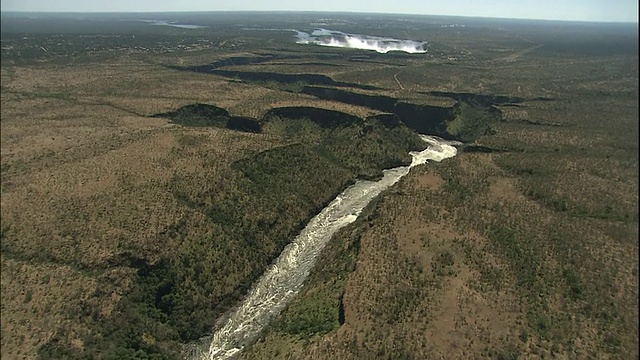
282	280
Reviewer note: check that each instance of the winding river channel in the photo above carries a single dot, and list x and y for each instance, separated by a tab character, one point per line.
282	281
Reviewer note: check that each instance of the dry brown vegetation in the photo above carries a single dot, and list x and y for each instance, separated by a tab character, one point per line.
529	252
432	277
94	190
84	179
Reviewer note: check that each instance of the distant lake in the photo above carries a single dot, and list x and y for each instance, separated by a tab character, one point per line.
165	23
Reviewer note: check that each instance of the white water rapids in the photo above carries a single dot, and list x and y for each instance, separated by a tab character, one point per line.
281	282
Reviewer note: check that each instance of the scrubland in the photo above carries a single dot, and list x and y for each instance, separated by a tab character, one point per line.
127	235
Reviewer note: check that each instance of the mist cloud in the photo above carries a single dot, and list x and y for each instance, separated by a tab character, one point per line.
324	37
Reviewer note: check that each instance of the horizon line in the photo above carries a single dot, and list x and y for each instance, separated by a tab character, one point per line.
316	11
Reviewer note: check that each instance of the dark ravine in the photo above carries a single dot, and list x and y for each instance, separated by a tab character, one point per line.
487	100
372	60
231	61
205	115
200	115
420	118
214	68
243	123
480	149
341	315
265	77
424	119
260	58
324	118
474	116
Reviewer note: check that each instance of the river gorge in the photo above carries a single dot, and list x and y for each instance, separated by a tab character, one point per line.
284	279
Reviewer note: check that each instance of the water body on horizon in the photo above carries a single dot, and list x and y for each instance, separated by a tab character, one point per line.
282	281
173	24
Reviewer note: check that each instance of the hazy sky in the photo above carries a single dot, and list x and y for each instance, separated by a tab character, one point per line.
583	10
